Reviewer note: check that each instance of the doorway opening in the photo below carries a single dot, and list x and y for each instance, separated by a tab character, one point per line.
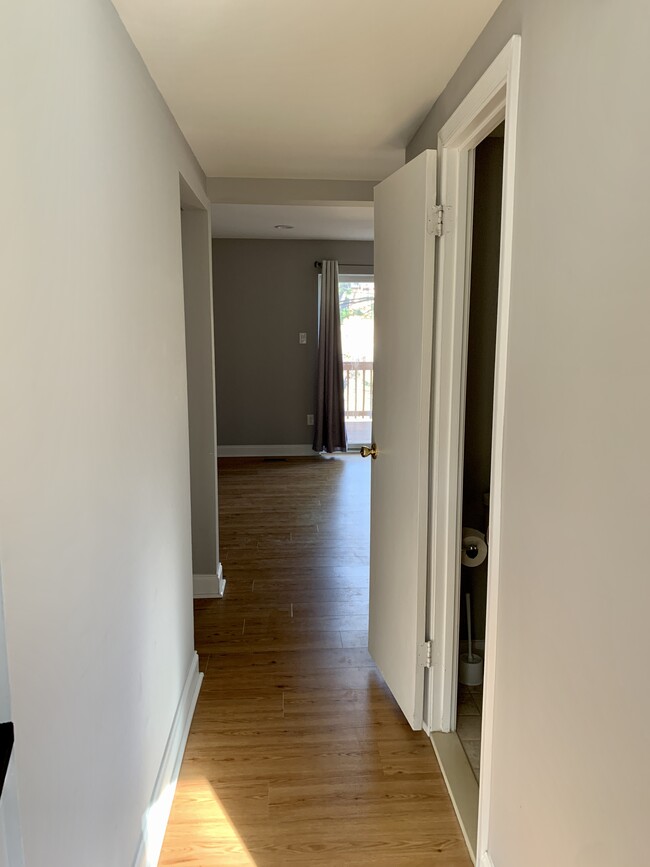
477	440
208	580
357	309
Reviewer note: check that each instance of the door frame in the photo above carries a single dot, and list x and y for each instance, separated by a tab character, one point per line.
493	99
198	308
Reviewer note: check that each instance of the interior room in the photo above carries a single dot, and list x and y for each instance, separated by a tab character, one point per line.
266	303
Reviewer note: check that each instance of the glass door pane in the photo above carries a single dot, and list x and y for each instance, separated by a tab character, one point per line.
357	301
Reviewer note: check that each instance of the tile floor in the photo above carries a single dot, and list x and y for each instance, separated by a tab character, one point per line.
468	723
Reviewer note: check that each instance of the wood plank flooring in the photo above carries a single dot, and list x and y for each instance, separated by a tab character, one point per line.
298	754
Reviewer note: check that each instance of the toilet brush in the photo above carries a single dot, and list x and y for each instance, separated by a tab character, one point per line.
468	608
470	667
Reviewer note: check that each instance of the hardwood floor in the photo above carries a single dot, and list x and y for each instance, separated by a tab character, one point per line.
298	753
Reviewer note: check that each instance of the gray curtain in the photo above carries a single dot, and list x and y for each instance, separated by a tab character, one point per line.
329	433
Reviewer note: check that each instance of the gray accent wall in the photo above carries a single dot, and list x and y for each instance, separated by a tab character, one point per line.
265	293
570	761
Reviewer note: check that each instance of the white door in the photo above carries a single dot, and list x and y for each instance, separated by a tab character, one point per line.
404	273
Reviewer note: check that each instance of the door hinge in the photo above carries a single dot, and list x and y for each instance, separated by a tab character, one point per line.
435	220
425	654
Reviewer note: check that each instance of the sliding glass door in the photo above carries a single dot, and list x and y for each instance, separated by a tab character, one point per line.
357	301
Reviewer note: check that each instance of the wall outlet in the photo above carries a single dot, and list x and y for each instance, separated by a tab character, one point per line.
302	337
310	418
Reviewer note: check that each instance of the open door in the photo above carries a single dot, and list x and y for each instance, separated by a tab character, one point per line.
404	275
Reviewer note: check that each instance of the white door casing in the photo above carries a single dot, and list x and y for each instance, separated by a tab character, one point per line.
404	302
492	99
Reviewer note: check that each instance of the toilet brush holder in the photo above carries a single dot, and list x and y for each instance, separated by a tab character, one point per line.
470	672
470	665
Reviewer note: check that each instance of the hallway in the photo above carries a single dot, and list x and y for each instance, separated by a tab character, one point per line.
297	753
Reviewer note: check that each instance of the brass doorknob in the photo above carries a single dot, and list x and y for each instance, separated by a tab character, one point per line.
372	451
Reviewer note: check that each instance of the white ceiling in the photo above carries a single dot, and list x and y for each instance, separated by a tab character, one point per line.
302	88
309	222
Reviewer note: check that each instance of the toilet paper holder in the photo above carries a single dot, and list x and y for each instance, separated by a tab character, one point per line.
473	548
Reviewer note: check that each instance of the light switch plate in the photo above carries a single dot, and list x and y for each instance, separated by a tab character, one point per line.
310	418
302	337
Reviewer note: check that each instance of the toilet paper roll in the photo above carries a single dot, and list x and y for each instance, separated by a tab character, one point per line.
474	549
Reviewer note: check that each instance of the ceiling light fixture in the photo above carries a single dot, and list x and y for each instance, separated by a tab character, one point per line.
283	226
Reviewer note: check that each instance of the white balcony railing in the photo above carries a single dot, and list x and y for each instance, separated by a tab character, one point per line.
357	384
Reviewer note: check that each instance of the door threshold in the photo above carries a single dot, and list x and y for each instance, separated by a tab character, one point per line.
461	784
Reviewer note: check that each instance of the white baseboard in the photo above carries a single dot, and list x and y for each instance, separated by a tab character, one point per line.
154	820
293	451
486	861
209	586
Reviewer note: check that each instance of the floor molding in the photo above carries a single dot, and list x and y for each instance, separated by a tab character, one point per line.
209	586
486	861
154	820
266	451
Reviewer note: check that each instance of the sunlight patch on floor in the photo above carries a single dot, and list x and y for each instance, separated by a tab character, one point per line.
215	837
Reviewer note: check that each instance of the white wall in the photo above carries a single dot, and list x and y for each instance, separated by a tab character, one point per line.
94	470
571	751
11	843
